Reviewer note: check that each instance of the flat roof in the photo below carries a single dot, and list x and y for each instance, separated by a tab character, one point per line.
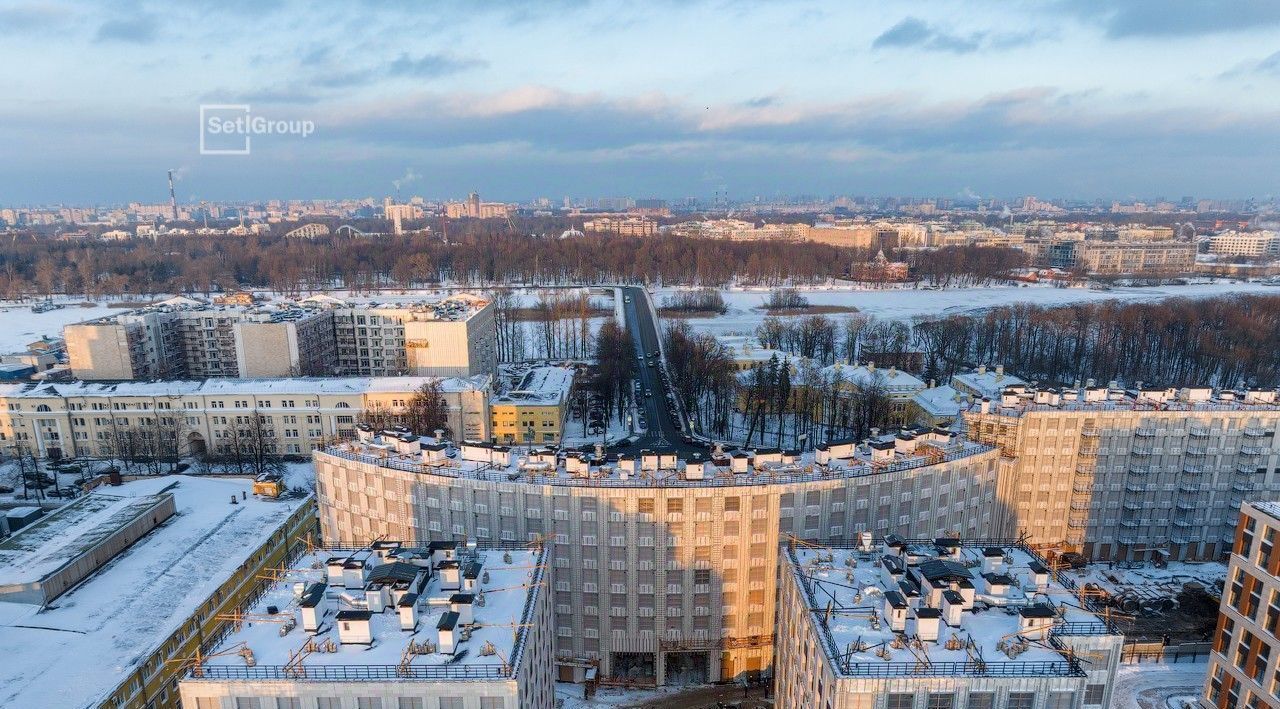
46	545
514	577
234	387
76	651
716	470
856	587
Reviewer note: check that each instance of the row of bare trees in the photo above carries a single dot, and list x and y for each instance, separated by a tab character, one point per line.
490	256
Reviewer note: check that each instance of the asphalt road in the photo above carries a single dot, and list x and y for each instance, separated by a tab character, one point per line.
664	432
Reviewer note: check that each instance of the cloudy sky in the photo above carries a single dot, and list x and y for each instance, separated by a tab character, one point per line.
520	99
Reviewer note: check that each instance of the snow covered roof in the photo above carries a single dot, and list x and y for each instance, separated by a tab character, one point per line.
76	652
939	401
506	582
539	385
985	382
861	375
233	386
48	544
862	586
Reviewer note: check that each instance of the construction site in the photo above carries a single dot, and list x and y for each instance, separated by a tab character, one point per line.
433	623
891	616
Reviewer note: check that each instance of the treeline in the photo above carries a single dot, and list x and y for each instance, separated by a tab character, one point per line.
778	403
700	300
202	264
1228	341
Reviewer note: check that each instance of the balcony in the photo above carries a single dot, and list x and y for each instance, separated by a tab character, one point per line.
1247	467
1143	451
1132	506
1131	523
1198	450
1254	432
1089	432
1141	469
1186	505
1089	452
1135	489
1199	433
1082	489
1252	450
1144	432
1084	472
1192	488
1077	522
1195	469
1080	506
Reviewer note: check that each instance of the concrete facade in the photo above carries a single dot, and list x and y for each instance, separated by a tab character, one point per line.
654	575
1115	473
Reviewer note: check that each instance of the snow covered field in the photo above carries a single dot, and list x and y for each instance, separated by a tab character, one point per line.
19	326
746	313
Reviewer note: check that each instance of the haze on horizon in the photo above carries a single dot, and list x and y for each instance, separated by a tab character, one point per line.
521	99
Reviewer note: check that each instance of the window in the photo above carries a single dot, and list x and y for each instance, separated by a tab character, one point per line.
411	703
492	703
943	701
207	703
451	703
1061	700
1093	694
288	703
900	701
248	703
983	700
369	702
1021	700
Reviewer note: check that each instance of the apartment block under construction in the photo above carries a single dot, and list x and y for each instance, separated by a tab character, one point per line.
665	569
1129	474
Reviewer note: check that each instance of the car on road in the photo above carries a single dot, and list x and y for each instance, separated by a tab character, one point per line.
626	299
648	393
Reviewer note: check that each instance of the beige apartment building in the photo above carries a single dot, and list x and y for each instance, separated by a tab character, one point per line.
183	338
1135	257
665	570
1125	474
622	226
473	208
1257	244
1244	666
86	419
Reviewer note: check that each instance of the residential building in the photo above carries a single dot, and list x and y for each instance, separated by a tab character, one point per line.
1124	474
1256	244
392	626
1244	665
622	226
473	208
321	335
138	593
91	419
1135	258
533	411
665	570
941	623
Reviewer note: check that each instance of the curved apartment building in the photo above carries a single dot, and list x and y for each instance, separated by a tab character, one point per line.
665	570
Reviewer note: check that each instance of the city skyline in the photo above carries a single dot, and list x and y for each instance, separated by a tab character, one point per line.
521	100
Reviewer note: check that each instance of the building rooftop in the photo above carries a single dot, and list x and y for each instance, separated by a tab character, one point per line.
939	401
1017	400
229	387
48	544
647	468
388	612
941	608
538	385
986	382
74	652
892	379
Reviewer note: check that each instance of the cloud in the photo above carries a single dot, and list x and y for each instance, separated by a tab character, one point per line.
26	19
915	32
141	29
1267	66
1161	18
429	66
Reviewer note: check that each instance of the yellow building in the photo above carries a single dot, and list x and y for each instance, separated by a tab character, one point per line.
534	410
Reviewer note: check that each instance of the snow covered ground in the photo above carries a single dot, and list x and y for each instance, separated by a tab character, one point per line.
18	325
1158	686
746	312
